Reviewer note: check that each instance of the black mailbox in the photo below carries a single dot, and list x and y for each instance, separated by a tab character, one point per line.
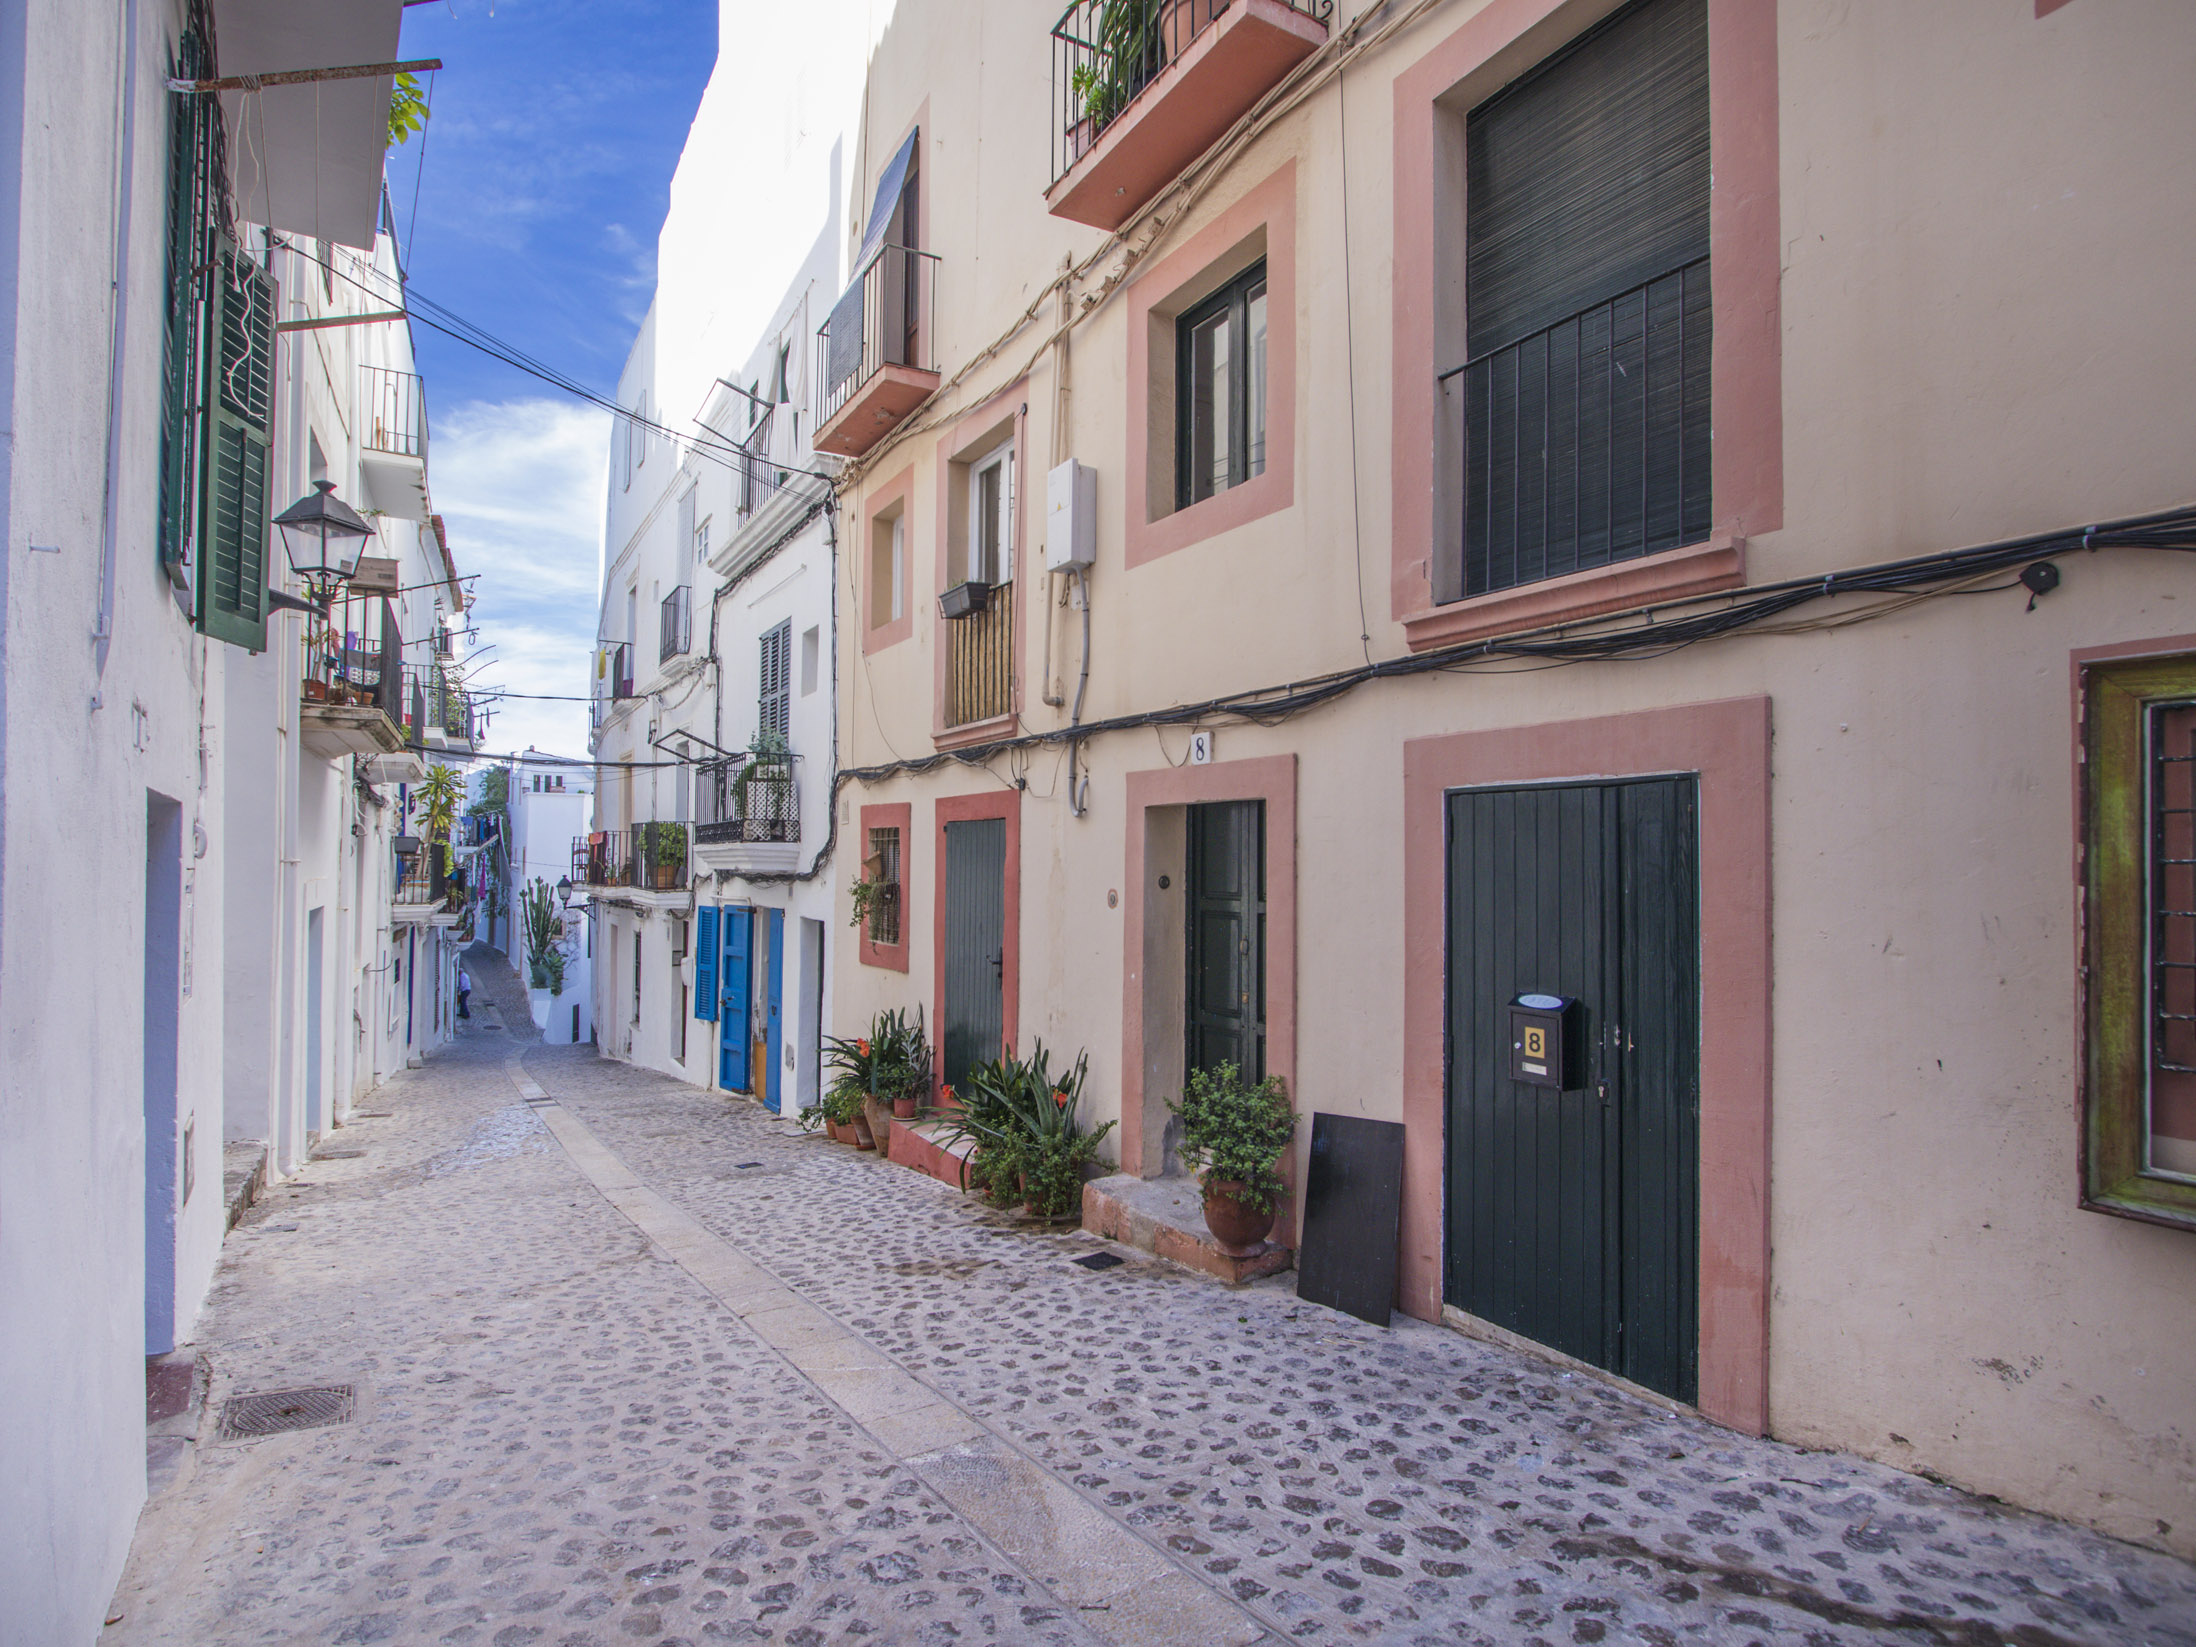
1544	1049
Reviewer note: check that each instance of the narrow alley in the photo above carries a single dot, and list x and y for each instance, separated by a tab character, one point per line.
627	1361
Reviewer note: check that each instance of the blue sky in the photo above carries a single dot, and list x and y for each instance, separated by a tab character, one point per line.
541	184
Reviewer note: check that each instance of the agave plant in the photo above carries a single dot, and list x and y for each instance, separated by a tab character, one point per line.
1023	1123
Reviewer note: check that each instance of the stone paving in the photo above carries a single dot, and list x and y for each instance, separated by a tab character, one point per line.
559	1437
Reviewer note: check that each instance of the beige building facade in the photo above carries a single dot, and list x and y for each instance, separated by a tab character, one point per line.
1669	507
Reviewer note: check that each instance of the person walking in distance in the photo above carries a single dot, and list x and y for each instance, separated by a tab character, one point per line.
465	988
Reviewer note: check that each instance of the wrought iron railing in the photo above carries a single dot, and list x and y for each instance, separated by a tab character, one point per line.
423	881
757	472
749	798
353	656
650	856
884	319
393	411
618	670
1105	52
980	660
1584	444
433	701
677	624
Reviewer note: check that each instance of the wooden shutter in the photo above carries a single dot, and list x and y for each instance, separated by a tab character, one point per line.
776	708
232	573
705	962
190	139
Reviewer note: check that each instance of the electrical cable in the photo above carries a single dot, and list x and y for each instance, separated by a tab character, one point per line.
1637	635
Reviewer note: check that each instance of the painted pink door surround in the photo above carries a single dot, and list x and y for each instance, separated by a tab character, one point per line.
1267	778
1727	744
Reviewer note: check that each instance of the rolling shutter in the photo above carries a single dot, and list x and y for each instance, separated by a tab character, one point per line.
1586	400
232	575
705	962
1589	176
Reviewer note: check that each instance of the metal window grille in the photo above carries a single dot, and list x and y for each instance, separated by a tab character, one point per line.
2172	901
884	874
676	623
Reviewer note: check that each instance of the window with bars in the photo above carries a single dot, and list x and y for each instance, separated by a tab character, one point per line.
2139	939
1584	398
882	870
1220	389
774	710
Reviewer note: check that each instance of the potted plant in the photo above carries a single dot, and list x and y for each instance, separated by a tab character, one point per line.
900	1074
769	768
840	1108
1232	1138
664	845
1182	21
1023	1123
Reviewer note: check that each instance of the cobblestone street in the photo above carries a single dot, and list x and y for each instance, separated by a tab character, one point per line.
634	1362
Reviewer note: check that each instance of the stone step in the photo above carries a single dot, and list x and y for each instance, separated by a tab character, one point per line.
1166	1217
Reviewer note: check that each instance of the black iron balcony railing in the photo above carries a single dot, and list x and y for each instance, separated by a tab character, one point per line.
353	655
751	798
1584	444
756	472
677	624
650	856
617	671
884	319
433	702
1104	52
423	881
980	660
393	408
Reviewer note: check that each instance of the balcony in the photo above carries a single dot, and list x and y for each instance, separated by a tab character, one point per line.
875	358
427	894
650	857
438	711
747	814
980	659
351	684
1141	88
757	472
392	419
677	624
617	670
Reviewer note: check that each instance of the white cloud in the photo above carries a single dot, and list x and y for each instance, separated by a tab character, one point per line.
520	487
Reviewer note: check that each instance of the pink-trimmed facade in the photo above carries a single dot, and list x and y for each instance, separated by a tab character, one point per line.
1912	354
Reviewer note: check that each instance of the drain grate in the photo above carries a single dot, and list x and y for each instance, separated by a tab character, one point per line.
1100	1261
247	1417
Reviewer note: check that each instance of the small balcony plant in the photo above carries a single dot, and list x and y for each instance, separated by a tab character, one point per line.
1233	1134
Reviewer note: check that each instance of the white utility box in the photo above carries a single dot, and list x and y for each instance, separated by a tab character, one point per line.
1071	517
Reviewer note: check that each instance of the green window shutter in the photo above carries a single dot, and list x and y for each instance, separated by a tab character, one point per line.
190	135
232	572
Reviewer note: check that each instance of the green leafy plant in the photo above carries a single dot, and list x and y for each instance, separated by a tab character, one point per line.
891	1061
1235	1133
407	108
866	895
1023	1124
544	955
1125	54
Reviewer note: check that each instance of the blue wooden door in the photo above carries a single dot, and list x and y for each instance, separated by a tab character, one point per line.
774	1018
733	980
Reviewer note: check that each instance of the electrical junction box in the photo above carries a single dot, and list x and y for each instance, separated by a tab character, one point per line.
1071	517
1544	1049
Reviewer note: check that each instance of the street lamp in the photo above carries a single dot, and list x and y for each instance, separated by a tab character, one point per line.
564	891
323	537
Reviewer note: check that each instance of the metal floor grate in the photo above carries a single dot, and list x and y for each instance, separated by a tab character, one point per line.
247	1417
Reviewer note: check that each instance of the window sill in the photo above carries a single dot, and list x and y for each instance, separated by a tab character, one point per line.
892	957
975	732
1674	574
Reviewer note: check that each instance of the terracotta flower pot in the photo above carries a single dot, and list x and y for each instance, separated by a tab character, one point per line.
833	1132
1186	20
905	1106
863	1137
1238	1229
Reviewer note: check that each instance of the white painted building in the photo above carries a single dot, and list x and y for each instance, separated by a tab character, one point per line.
714	704
552	802
197	941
